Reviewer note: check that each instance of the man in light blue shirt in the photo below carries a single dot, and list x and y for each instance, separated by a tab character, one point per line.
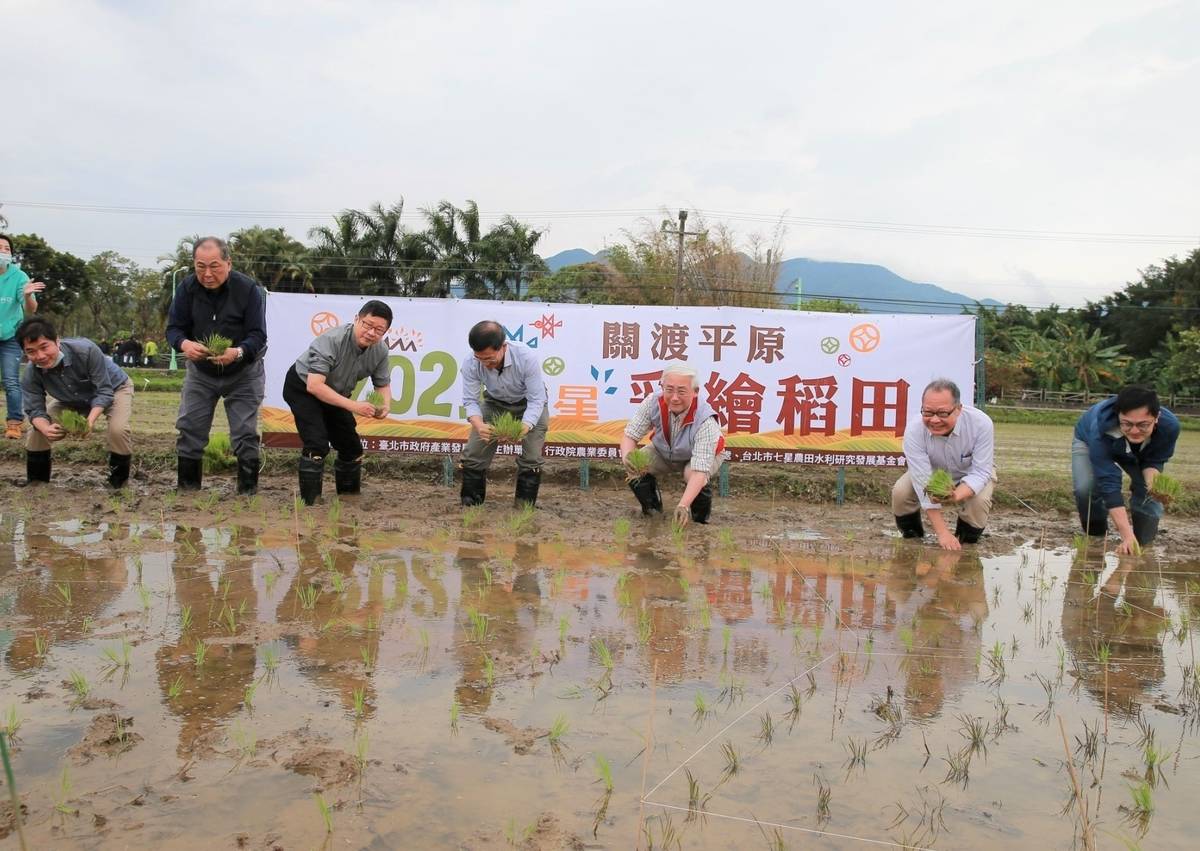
961	441
498	378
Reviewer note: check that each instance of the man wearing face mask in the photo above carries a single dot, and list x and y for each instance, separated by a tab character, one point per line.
217	300
72	374
17	298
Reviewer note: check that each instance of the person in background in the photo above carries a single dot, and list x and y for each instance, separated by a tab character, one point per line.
1130	433
18	297
149	353
72	374
217	300
319	388
961	441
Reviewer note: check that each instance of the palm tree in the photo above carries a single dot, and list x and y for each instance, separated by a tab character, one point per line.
273	258
342	253
452	239
509	257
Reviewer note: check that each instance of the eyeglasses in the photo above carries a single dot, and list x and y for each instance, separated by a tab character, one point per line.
374	330
1143	425
941	415
676	391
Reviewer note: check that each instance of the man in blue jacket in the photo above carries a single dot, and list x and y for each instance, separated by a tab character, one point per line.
1133	433
216	299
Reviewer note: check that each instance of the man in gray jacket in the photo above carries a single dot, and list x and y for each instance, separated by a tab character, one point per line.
72	374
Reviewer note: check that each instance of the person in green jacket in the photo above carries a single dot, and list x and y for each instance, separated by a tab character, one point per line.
18	296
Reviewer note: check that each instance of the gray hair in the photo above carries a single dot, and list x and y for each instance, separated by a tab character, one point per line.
940	384
221	245
684	370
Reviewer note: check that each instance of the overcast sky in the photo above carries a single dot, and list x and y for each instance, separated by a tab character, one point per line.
967	120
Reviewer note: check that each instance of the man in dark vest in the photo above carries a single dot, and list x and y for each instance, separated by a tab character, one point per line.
686	440
217	300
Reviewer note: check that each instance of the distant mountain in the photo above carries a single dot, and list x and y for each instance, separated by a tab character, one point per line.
873	288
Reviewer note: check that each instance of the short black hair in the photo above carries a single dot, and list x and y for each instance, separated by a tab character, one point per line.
485	335
11	248
375	307
1131	398
35	328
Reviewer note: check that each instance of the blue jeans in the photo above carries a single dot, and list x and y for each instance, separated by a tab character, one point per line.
1093	514
10	369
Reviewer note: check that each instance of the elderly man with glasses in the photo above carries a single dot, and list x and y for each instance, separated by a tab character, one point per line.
961	441
1130	432
217	300
319	388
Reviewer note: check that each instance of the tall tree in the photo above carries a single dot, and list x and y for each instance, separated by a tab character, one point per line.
64	274
509	257
452	237
273	258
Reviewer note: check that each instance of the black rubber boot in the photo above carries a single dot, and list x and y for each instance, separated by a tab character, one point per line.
966	533
702	505
312	470
910	525
190	474
474	487
118	470
645	488
1145	528
347	476
528	482
247	481
37	466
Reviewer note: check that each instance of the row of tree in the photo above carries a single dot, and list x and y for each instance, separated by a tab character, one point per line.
1148	332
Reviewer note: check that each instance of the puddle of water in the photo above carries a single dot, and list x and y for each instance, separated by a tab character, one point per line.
452	693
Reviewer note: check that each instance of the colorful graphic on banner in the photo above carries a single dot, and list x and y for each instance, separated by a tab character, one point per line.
789	387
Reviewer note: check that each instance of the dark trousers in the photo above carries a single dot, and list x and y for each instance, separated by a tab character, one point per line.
320	425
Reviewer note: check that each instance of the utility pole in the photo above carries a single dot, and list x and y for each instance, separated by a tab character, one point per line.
681	233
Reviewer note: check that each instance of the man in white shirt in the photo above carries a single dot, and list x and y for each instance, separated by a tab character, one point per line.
946	436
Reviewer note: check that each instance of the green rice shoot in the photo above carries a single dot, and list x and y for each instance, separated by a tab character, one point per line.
74	423
217	344
375	398
940	485
637	463
1166	489
506	427
218	454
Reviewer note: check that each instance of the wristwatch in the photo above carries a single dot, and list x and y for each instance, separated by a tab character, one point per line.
240	354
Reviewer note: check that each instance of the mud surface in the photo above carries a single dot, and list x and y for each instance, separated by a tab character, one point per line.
803	672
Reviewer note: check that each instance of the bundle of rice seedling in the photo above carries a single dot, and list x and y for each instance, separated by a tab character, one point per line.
376	398
74	423
940	485
216	344
218	454
506	427
637	464
1166	489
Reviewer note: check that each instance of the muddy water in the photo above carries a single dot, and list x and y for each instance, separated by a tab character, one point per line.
410	678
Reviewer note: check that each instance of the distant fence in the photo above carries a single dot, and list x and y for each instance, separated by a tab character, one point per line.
1078	400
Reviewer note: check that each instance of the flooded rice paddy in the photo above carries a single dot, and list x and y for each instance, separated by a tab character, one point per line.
290	678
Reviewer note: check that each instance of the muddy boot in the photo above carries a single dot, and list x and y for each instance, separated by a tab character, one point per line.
910	525
247	476
37	466
528	482
347	476
645	488
702	505
312	470
1145	528
966	533
190	473
474	486
118	470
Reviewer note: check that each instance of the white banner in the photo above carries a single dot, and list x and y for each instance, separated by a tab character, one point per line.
790	387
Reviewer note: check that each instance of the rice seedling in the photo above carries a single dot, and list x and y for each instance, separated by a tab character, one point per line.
857	749
603	654
726	637
1089	746
423	637
1050	687
185	619
80	686
489	670
704	615
669	835
361	748
360	701
506	428
564	626
368	657
326	812
975	730
375	398
478	629
455	711
678	535
702	710
645	629
1142	806
200	652
907	638
795	705
766	729
308	595
604	772
11	722
217	344
516	836
64	593
41	645
117	657
824	798
520	522
472	516
732	690
270	656
1166	489
637	464
732	762
995	663
1154	759
774	839
175	688
248	696
218	455
940	485
65	786
228	618
621	529
684	586
725	538
73	423
559	729
697	802
958	766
